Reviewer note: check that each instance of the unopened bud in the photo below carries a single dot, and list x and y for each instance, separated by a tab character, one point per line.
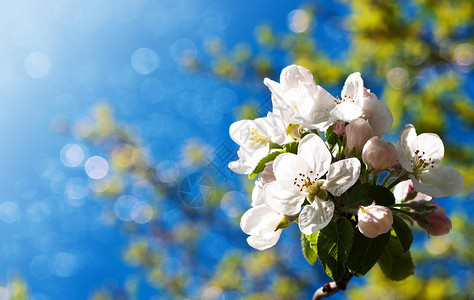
435	223
374	220
339	127
358	132
379	154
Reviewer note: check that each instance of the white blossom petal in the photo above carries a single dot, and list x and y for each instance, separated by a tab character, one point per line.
353	88
264	241
257	194
401	190
405	143
314	151
378	115
439	182
342	175
260	220
287	167
431	146
315	216
346	111
292	76
248	159
282	200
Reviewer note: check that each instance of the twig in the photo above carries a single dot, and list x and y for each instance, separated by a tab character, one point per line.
330	288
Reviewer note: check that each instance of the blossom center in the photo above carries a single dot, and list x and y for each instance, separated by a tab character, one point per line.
344	99
421	162
256	138
306	183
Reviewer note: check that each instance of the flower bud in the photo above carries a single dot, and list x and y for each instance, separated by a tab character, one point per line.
374	220
435	223
358	132
379	154
339	127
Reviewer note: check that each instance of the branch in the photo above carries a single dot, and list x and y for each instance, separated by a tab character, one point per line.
330	288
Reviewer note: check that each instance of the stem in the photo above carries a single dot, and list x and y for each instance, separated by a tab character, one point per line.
375	176
330	288
385	180
401	211
400	178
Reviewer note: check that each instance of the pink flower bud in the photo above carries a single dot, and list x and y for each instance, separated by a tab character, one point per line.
358	132
379	154
374	220
437	224
339	127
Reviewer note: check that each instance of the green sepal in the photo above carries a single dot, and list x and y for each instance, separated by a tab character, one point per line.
286	221
330	136
308	251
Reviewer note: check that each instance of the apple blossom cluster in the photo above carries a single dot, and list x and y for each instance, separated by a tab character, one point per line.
321	161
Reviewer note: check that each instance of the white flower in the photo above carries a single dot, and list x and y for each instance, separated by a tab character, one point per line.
252	134
298	100
374	220
421	156
404	191
358	102
260	223
298	177
253	137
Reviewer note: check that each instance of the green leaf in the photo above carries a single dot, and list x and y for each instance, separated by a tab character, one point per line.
262	163
331	137
396	264
308	251
291	147
365	252
404	233
334	243
364	194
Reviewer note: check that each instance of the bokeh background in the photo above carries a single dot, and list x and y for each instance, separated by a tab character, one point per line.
114	118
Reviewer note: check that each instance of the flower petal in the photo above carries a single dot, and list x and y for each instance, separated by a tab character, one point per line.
264	241
292	76
378	115
315	216
431	146
287	167
439	182
314	151
260	220
342	175
281	200
248	159
257	194
353	88
346	111
405	142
